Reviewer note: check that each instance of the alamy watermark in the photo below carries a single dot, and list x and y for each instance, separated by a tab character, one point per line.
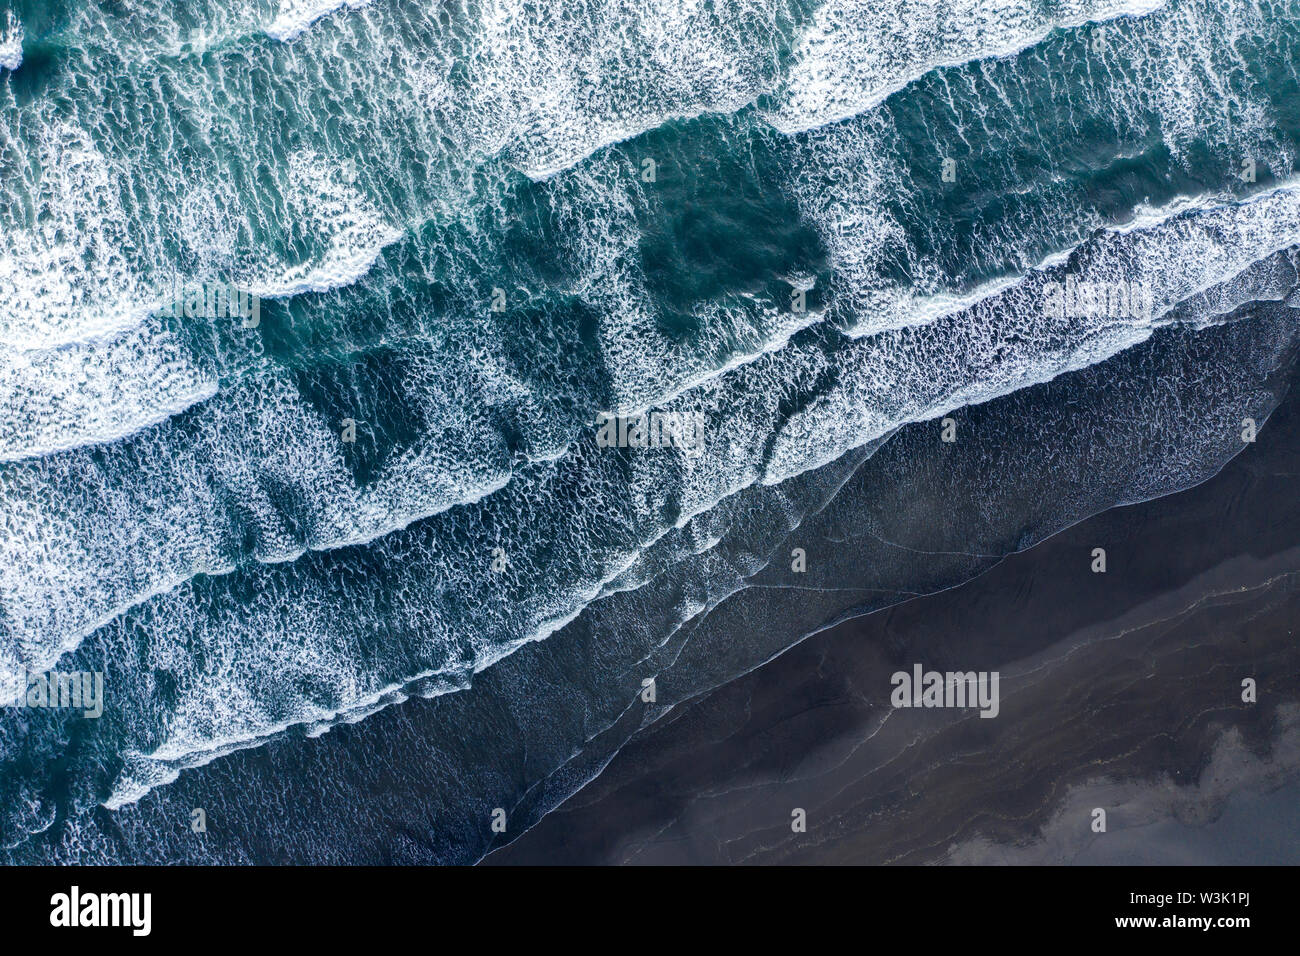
923	688
655	429
1073	299
215	300
76	909
73	690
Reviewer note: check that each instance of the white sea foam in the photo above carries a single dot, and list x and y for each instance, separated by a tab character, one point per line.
295	16
532	97
524	98
553	82
11	43
859	52
853	178
131	520
96	391
1177	259
337	211
85	358
66	278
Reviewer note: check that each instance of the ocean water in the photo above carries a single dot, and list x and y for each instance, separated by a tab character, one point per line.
473	227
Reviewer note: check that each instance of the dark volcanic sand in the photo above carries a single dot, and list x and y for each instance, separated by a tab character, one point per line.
1119	690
